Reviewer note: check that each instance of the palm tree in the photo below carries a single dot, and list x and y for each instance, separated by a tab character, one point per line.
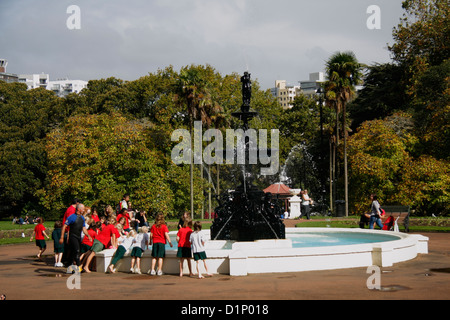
193	91
343	73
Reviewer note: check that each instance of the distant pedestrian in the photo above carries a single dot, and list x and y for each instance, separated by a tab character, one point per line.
375	212
306	204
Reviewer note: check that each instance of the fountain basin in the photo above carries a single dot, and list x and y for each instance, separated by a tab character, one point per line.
371	247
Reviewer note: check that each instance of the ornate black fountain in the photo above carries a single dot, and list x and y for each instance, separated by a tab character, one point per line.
247	214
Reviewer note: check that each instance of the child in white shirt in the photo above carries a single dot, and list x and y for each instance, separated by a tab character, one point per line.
138	248
198	241
125	244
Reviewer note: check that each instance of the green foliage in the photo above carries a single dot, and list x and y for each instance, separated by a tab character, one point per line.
98	158
26	116
426	185
424	32
343	73
422	39
382	95
381	162
298	133
432	111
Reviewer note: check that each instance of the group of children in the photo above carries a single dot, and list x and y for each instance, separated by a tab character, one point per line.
189	242
108	233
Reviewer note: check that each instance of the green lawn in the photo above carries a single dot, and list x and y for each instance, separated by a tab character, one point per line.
11	234
415	225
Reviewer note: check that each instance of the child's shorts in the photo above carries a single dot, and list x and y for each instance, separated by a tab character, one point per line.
184	252
199	255
85	248
158	250
136	252
97	246
58	249
41	244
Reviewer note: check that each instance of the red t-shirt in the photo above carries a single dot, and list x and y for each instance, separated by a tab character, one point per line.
158	234
184	234
127	218
105	235
70	210
114	232
96	218
85	240
39	231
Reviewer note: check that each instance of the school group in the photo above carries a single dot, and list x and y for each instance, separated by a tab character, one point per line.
82	233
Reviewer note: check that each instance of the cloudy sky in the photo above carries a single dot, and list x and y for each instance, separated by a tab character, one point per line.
127	39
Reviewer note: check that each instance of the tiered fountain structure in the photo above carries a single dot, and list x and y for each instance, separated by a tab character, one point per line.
247	214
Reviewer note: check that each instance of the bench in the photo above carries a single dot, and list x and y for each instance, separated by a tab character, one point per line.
399	213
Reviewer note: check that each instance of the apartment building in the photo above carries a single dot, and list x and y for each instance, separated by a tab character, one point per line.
34	81
285	93
63	87
309	87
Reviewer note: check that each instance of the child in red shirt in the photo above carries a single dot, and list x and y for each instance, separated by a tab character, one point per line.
184	246
39	233
159	233
124	213
86	244
105	237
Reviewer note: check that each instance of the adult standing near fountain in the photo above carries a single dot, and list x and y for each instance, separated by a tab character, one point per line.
306	203
76	222
375	212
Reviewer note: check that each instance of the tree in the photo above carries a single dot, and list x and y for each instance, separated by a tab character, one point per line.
26	116
343	73
422	38
432	111
425	184
98	158
193	91
298	131
377	152
382	95
381	161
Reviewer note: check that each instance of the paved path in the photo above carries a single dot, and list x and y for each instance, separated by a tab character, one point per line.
426	277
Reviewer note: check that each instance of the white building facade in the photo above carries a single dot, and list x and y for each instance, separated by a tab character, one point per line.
64	87
61	87
285	93
34	81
